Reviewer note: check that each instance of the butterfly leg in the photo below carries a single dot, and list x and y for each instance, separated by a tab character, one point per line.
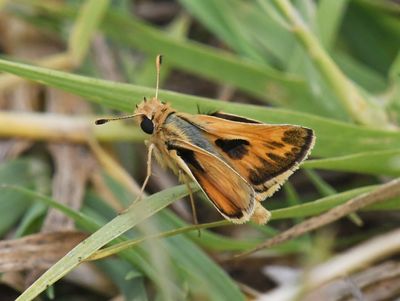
148	171
193	206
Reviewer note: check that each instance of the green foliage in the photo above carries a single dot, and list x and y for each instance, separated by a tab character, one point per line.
26	173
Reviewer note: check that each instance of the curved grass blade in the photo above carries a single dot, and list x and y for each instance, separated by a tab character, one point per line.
386	162
22	172
326	203
262	81
135	214
124	97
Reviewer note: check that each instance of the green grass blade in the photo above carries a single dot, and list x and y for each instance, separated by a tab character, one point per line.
229	21
394	71
124	97
382	34
385	162
363	75
218	286
22	172
88	19
326	203
130	282
221	66
123	222
350	96
183	253
329	16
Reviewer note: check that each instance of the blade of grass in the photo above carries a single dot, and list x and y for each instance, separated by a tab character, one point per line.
329	16
184	254
327	190
217	289
222	18
386	162
361	73
384	5
50	127
323	187
89	17
124	97
366	25
132	243
221	66
131	217
22	172
130	282
394	71
355	103
383	192
326	203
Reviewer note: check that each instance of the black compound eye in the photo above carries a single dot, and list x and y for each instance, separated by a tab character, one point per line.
147	125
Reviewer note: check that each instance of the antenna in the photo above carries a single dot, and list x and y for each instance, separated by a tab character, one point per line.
158	67
105	120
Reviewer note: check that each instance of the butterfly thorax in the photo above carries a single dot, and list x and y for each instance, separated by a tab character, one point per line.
157	113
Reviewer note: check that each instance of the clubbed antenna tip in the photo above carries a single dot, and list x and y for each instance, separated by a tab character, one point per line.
105	120
101	121
158	67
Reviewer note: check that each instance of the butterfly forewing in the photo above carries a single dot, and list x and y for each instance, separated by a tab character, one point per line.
265	155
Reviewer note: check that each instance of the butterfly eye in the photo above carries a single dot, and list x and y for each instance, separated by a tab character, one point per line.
147	125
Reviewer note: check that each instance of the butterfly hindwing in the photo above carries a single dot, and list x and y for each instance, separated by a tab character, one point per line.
226	189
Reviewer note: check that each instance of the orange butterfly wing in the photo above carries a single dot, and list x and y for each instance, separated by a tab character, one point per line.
264	155
228	191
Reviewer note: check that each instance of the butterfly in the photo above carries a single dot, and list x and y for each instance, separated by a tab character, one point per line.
237	162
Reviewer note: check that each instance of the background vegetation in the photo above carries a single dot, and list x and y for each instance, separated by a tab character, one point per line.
333	66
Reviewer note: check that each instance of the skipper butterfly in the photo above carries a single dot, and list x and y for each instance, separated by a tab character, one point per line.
236	161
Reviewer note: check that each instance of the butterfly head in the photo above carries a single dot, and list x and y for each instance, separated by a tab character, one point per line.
150	114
